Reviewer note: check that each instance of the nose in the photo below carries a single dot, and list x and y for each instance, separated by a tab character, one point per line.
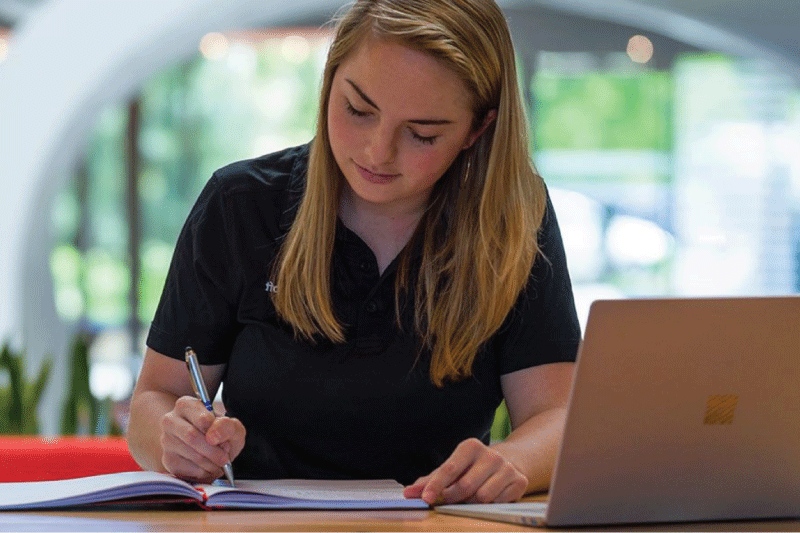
382	146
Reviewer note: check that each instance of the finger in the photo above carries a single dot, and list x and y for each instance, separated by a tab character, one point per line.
193	410
185	462
237	441
181	459
190	472
490	490
475	478
415	489
193	441
226	447
182	439
507	484
223	429
452	469
513	492
229	434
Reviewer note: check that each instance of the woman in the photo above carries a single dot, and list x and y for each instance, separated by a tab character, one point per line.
369	299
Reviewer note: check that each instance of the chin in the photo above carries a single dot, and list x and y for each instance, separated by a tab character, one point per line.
373	194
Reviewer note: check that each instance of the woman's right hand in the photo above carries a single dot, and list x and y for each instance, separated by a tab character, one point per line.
171	431
196	444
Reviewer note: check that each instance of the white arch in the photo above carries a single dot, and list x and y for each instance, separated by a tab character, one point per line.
66	61
72	56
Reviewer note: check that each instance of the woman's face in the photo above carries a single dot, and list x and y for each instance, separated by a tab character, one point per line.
397	119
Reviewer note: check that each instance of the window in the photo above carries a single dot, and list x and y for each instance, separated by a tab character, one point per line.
244	95
681	181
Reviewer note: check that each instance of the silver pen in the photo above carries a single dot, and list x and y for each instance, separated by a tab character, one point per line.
201	392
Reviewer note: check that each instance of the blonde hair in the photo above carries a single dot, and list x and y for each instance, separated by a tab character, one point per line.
478	235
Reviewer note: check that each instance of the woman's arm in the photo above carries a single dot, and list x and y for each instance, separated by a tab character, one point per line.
171	431
537	405
536	398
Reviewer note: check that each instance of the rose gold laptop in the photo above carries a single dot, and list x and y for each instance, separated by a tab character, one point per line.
681	410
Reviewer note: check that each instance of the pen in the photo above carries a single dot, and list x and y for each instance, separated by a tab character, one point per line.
201	392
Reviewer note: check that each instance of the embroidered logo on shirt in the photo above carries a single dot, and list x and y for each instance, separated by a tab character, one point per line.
271	287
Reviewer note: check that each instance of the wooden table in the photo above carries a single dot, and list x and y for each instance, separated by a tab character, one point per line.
405	520
245	521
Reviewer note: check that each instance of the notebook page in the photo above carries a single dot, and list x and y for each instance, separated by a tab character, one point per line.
311	489
82	490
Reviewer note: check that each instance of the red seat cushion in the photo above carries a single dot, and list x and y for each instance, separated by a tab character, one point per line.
45	459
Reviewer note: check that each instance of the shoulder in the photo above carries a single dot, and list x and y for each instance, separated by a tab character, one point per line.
261	193
279	171
267	188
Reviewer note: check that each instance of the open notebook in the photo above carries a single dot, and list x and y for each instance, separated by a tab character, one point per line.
248	494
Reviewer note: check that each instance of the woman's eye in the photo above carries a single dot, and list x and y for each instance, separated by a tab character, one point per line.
422	139
355	112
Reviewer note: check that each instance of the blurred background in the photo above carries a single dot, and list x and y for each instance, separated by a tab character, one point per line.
668	132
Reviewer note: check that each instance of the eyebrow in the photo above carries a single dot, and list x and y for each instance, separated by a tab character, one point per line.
420	121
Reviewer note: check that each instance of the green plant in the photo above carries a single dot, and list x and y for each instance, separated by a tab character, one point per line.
82	413
18	401
501	426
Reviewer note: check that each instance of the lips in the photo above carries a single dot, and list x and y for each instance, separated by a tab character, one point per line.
372	177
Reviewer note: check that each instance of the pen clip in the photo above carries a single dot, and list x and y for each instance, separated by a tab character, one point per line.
198	385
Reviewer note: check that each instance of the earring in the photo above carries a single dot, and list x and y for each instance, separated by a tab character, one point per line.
465	177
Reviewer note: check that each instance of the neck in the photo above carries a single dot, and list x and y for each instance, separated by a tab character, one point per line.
385	229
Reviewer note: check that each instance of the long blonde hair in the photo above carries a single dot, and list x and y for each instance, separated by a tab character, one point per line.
478	235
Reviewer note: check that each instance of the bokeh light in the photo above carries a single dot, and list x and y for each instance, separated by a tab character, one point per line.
3	49
640	49
214	46
295	49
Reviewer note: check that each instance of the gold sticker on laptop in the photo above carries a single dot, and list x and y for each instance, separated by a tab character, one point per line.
720	408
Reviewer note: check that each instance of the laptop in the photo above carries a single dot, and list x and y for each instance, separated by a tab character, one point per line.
681	410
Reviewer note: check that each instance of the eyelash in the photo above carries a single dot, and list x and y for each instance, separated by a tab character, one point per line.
423	140
355	112
419	138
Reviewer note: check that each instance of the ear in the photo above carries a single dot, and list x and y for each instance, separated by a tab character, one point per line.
488	119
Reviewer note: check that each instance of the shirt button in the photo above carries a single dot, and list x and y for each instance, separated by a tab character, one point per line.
372	306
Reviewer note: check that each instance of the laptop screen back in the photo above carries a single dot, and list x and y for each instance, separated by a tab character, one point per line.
683	409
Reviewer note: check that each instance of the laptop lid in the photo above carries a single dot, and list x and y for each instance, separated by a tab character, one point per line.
683	410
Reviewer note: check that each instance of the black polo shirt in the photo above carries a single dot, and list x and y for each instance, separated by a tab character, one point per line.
362	409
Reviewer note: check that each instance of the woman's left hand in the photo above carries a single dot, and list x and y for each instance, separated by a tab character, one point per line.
474	473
